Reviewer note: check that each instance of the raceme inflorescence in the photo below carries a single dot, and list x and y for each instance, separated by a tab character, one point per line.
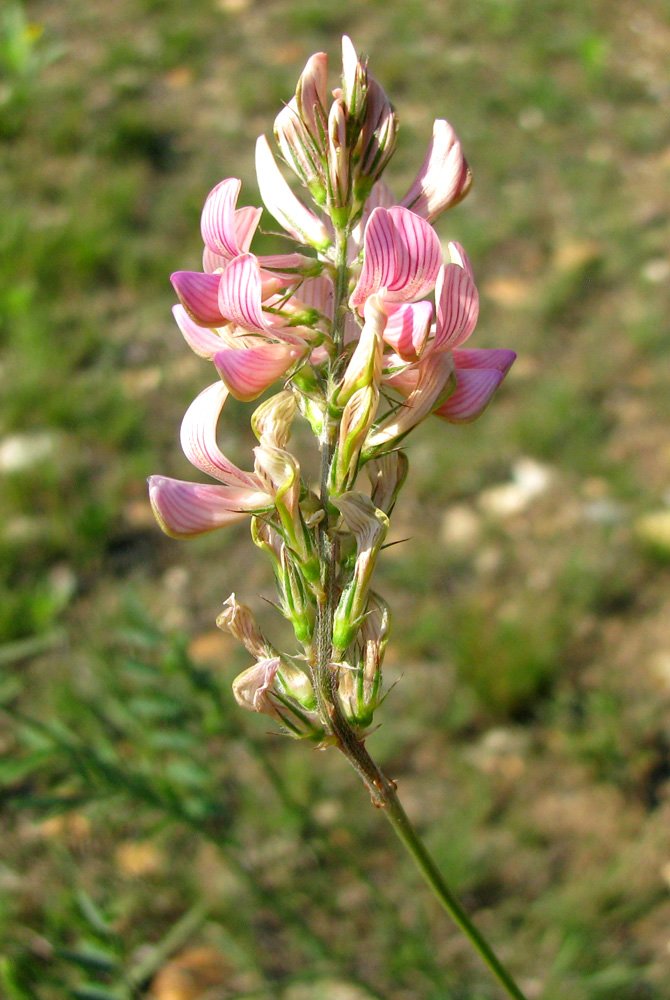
364	324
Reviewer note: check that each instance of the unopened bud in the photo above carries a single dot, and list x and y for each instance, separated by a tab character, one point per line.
297	603
365	364
360	686
311	97
387	475
357	418
300	151
273	687
271	421
369	527
239	621
338	165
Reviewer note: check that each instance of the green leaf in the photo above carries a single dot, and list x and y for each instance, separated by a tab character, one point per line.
94	915
93	992
90	958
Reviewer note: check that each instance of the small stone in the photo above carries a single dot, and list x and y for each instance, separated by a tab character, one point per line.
195	974
460	527
138	858
529	481
19	452
653	531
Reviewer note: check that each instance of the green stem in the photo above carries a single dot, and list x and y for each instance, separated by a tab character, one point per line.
409	838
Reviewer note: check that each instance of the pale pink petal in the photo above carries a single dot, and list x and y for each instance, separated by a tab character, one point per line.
493	358
473	392
444	178
212	263
280	201
407	328
457	255
290	266
217	220
434	378
457	303
245	223
198	438
201	339
185	510
249	372
317	293
199	295
312	94
241	294
401	259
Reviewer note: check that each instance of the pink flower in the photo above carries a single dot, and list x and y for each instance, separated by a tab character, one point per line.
185	509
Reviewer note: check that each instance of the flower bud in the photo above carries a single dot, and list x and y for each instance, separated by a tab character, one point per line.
239	621
297	605
311	98
360	686
280	690
271	421
357	418
338	165
387	475
300	151
369	526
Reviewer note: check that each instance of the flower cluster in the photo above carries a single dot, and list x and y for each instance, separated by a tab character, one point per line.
365	324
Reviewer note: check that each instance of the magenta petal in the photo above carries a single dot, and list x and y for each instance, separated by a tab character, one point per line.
249	372
199	295
213	262
198	438
185	510
201	339
457	302
493	358
407	328
473	392
240	294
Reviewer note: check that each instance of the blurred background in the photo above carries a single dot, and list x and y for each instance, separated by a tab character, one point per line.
156	840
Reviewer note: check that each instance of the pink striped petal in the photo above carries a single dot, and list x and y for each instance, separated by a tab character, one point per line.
185	510
444	178
407	328
241	294
457	255
280	201
201	339
212	263
246	222
401	259
473	392
290	267
497	358
249	372
216	222
199	295
198	439
457	303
